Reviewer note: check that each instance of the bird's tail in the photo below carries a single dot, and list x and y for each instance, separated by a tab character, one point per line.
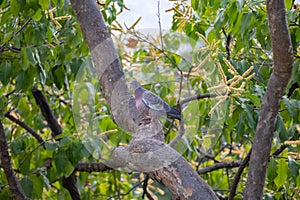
174	113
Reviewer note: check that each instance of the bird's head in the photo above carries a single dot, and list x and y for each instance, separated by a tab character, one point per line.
134	84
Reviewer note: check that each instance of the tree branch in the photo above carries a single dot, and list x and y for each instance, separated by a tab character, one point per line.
47	112
237	176
146	152
14	184
197	97
106	61
283	63
68	182
92	167
217	166
26	127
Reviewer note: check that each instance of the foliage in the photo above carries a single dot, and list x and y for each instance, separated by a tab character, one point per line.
210	43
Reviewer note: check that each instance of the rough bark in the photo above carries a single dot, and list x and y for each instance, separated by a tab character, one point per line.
283	63
14	184
146	152
106	60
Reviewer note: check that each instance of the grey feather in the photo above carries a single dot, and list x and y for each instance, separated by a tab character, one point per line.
151	104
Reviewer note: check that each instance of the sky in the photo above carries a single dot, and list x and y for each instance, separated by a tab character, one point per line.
147	9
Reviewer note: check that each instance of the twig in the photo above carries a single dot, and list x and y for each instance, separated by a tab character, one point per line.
14	184
282	147
159	25
124	194
228	38
157	48
33	150
237	176
24	25
180	133
207	155
197	97
10	93
145	191
217	166
26	127
18	31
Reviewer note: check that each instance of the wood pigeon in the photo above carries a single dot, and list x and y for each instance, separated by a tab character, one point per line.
151	104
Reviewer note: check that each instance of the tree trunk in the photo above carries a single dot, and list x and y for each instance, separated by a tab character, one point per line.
283	63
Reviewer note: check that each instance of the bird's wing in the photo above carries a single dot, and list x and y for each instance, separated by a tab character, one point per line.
153	102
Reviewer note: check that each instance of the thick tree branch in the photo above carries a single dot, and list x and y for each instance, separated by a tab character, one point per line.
146	152
106	61
14	184
47	112
283	63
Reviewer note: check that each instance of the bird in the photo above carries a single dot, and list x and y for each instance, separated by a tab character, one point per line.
152	105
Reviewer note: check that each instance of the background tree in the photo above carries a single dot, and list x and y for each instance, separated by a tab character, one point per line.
45	93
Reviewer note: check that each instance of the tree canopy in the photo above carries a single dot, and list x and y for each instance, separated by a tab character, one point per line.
231	67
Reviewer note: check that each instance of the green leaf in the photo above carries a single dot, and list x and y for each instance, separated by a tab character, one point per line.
240	4
27	185
246	19
23	80
280	128
15	7
5	72
46	180
271	170
44	4
38	15
288	4
25	61
282	172
254	99
65	141
59	76
294	167
7	36
51	146
23	107
42	74
38	186
30	55
60	160
69	168
249	113
292	105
